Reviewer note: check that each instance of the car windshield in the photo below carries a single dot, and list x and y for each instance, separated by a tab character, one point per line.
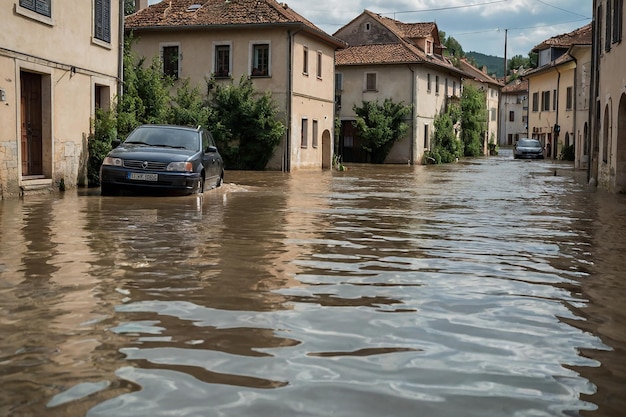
165	137
529	143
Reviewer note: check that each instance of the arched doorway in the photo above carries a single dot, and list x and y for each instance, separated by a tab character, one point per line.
327	150
620	157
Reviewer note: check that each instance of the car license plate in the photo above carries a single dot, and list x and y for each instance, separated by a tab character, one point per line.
140	176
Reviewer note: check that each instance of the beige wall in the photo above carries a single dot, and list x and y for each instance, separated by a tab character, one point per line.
541	122
610	135
312	97
69	63
517	103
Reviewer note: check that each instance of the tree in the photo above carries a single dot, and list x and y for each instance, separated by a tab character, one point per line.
245	125
380	126
445	147
473	120
129	7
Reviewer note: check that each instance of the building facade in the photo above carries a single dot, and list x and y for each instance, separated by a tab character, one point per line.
277	48
386	58
59	61
552	88
513	112
608	103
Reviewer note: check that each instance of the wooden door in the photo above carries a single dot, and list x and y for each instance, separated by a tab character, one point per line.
31	141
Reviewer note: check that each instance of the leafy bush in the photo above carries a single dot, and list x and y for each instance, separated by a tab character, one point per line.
380	126
473	120
567	153
104	131
445	147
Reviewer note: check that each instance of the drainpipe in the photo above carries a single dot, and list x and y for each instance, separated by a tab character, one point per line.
555	142
120	57
413	121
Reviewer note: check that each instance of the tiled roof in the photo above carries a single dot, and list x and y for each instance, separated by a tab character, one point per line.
580	36
203	13
514	87
477	74
401	51
376	54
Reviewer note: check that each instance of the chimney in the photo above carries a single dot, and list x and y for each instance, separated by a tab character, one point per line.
140	4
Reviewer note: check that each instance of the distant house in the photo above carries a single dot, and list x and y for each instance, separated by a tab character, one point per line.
277	48
58	62
513	112
386	58
491	87
608	91
558	91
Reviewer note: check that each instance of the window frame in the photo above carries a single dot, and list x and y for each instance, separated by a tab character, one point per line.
511	115
428	83
338	81
368	85
28	12
253	67
304	133
305	61
569	95
318	68
34	7
162	48
217	48
536	101
314	133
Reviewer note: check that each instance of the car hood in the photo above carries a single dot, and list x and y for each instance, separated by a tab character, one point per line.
152	153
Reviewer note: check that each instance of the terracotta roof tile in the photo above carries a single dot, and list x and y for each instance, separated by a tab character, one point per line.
376	54
477	73
179	13
514	87
580	36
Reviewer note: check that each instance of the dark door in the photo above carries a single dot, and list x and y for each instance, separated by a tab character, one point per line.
31	124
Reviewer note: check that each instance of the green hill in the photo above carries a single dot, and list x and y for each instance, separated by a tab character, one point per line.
494	64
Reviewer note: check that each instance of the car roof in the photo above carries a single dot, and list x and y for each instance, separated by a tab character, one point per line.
172	127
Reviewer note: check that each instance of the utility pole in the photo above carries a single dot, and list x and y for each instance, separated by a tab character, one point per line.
506	31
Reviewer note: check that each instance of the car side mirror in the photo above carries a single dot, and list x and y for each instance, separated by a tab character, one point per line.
115	143
210	149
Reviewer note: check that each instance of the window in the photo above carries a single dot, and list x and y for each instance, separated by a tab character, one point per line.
608	32
338	81
102	20
545	101
319	65
511	116
42	7
426	136
170	58
428	87
222	61
368	26
260	60
305	61
429	48
315	131
554	100
535	101
569	99
436	84
304	133
618	10
370	81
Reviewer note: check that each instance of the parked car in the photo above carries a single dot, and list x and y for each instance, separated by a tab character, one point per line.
528	148
163	158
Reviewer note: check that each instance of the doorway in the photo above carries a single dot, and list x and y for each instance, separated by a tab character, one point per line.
31	124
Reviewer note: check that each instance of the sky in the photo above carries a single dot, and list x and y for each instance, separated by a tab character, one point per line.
478	25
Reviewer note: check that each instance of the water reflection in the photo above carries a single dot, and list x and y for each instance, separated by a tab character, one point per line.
483	288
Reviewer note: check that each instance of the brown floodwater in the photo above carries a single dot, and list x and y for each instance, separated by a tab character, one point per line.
491	287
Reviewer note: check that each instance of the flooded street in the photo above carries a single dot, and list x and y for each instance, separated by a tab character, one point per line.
492	287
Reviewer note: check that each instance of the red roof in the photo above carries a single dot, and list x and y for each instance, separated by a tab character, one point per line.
580	36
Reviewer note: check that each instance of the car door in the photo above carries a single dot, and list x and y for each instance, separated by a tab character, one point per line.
211	160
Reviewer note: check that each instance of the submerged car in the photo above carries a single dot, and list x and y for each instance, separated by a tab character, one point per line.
528	148
163	158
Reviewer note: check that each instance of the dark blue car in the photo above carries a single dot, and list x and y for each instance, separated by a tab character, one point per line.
163	158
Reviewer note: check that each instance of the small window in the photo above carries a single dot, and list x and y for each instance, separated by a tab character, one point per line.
608	28
314	132
338	81
569	99
260	60
370	81
222	61
305	61
535	101
554	99
545	101
436	84
428	84
102	20
170	56
319	65
426	144
429	48
618	10
42	7
368	26
304	133
511	116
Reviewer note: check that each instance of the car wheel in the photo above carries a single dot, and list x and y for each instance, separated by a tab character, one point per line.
219	181
200	188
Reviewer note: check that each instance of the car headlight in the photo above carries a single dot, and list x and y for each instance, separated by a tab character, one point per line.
112	161
180	166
